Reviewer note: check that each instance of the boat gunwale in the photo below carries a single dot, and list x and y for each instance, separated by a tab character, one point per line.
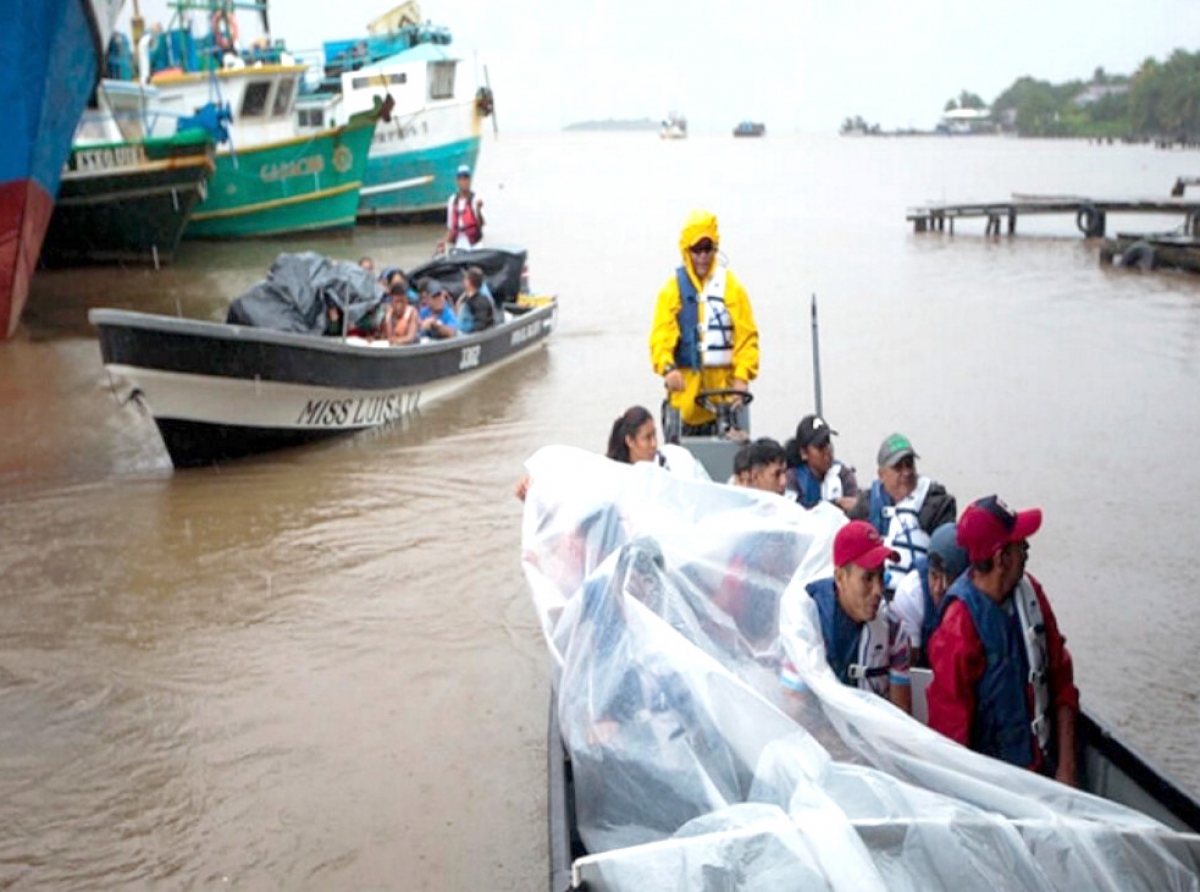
232	333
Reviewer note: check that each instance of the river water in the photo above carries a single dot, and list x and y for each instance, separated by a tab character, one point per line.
321	670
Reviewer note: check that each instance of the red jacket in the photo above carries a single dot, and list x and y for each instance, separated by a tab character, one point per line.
957	659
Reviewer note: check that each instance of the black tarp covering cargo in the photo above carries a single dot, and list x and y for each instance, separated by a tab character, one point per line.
502	270
298	290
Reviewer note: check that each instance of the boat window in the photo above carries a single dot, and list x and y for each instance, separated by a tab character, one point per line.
441	80
283	96
312	117
376	80
254	103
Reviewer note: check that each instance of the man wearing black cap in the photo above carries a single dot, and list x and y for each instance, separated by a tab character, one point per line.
813	474
1003	683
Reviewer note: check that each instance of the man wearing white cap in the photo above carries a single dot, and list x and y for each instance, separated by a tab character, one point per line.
464	216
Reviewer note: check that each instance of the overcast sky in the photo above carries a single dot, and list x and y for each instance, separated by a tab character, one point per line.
794	64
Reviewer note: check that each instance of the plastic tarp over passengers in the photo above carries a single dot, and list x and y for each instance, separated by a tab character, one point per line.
668	605
298	290
503	270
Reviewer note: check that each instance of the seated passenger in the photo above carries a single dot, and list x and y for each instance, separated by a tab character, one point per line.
918	600
1003	683
487	292
864	644
766	466
903	506
475	309
334	323
393	275
400	318
437	318
813	474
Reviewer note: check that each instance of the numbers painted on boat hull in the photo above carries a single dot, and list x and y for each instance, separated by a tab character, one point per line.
470	357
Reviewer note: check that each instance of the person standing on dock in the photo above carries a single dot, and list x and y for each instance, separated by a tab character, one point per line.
1003	683
464	216
703	336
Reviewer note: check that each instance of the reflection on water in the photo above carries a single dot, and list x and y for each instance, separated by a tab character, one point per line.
320	668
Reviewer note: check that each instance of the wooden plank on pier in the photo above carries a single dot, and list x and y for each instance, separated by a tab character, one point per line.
1090	213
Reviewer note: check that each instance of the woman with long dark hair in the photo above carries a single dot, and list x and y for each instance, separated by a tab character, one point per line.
634	437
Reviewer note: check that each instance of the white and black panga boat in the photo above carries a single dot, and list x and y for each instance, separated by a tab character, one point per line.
223	390
675	610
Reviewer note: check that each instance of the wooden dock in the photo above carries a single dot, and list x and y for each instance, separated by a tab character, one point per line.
1091	214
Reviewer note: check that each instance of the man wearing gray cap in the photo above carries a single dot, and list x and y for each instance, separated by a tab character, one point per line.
906	507
918	599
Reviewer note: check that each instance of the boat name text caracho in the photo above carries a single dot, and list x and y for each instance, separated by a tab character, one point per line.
310	165
92	160
357	411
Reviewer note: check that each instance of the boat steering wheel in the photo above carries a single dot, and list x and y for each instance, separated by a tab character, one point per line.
718	401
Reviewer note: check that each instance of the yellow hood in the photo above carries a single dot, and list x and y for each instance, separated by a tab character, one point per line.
699	225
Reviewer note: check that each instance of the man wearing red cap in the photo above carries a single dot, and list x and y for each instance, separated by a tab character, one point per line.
1003	683
863	643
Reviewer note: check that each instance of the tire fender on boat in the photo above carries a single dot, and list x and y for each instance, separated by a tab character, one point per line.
1139	255
1090	221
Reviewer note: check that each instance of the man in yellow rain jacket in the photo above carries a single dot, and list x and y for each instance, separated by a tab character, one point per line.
704	336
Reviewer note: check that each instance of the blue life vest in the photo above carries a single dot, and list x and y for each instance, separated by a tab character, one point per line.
839	631
687	350
856	652
931	616
900	526
808	487
879	499
1000	726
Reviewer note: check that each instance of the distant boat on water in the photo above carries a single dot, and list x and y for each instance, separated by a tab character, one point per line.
53	51
674	127
750	128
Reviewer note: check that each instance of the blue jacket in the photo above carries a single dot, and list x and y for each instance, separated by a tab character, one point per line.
1001	726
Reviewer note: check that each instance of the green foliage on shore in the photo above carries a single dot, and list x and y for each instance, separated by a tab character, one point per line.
1160	100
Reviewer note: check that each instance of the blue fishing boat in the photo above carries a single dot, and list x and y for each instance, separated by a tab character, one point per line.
53	50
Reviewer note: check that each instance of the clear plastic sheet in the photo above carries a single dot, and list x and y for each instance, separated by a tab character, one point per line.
668	605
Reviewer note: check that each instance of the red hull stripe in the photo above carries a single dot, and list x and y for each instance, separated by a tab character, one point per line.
25	209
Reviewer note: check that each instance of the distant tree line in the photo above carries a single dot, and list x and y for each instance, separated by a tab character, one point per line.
1161	100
